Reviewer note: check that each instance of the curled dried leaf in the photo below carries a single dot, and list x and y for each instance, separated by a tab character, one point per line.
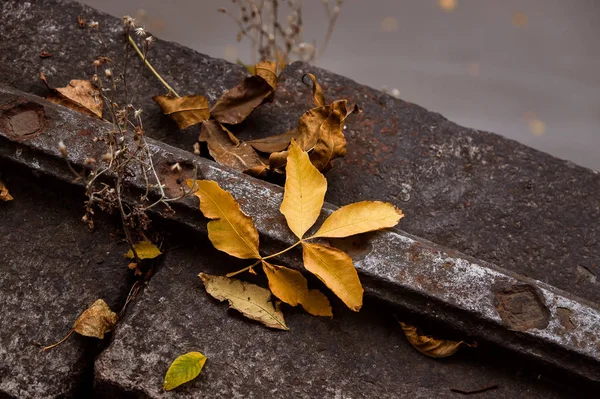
358	218
268	71
287	284
252	301
4	194
317	92
334	268
275	143
232	231
96	320
79	95
184	369
235	105
185	111
144	250
304	193
227	150
430	346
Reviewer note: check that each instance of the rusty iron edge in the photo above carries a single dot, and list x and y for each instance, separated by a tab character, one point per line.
397	267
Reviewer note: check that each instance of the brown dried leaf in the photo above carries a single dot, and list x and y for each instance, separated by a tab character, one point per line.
4	194
268	71
235	105
79	95
430	346
251	300
275	143
317	92
185	111
96	320
226	149
317	304
287	284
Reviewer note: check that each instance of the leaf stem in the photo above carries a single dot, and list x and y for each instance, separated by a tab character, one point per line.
59	342
137	49
263	258
242	270
281	252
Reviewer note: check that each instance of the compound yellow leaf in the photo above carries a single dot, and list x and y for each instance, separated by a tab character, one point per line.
4	194
430	346
289	285
185	111
145	250
252	301
358	218
184	369
96	320
317	92
304	192
232	231
317	304
334	268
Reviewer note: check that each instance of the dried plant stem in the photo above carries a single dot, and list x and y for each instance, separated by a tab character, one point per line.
59	342
245	269
143	57
242	270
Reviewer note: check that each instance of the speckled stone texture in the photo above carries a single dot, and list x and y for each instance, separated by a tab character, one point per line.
354	355
51	269
473	191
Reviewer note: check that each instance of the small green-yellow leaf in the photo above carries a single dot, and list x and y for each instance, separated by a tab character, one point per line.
334	267
358	218
145	250
183	369
304	191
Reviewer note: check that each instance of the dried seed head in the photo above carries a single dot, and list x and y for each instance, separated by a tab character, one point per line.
108	72
97	63
176	168
62	148
197	148
93	24
128	21
137	113
107	157
149	40
140	31
89	161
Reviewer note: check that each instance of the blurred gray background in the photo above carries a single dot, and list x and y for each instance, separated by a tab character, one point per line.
529	69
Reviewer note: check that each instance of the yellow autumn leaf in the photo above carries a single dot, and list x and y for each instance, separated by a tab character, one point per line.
358	218
430	346
317	304
232	231
184	369
144	250
252	301
334	268
304	191
186	111
95	321
4	194
317	92
286	284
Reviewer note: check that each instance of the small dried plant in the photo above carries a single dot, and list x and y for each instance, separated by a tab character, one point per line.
275	40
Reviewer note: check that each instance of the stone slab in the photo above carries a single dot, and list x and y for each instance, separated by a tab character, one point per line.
354	355
51	269
473	191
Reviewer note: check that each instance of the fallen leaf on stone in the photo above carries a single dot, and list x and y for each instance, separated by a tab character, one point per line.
235	105
144	250
227	150
232	231
358	218
268	71
317	92
275	143
286	284
79	95
430	346
317	304
304	193
185	111
4	194
251	300
95	321
184	369
334	268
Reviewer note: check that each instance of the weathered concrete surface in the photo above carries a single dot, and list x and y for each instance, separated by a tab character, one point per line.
362	355
479	298
472	191
51	269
